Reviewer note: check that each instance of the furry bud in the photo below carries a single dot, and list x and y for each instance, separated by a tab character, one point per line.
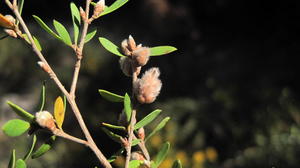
7	21
124	46
82	14
11	33
148	87
99	8
45	67
140	56
126	66
141	133
131	43
45	120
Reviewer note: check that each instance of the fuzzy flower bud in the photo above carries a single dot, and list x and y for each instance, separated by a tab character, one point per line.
126	66
140	56
148	87
7	21
82	14
45	67
141	133
99	8
11	33
45	120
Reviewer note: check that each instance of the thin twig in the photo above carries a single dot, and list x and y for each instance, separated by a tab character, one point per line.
62	134
70	99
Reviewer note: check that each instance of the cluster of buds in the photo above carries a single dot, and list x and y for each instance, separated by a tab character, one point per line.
9	24
136	56
46	120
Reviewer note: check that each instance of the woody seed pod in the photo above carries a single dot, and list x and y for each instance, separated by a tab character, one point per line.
148	87
45	120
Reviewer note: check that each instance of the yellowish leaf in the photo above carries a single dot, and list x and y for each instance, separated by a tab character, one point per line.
4	22
59	111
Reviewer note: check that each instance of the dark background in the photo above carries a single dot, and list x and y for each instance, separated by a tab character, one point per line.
232	86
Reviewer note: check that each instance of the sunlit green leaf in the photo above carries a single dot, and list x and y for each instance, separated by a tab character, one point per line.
158	127
21	112
20	164
135	163
116	5
59	112
177	164
112	135
44	148
135	142
122	128
12	160
36	42
150	117
63	33
45	27
161	50
90	35
76	19
111	96
31	148
127	107
109	46
43	96
161	154
15	127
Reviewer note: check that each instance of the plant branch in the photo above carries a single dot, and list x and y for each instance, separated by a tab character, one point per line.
70	99
79	50
62	134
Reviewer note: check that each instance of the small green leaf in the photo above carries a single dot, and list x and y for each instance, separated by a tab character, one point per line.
20	164
111	47
127	107
122	128
150	117
162	154
15	127
44	148
12	160
90	35
158	127
20	5
21	112
177	164
43	96
75	18
45	27
117	4
161	50
111	96
63	33
135	163
112	135
135	142
59	111
36	42
31	148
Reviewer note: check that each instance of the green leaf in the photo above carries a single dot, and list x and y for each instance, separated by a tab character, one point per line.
90	35
75	18
161	50
116	5
15	127
122	128
31	148
135	163
63	33
111	96
135	142
21	112
111	47
158	127
45	27
12	160
43	96
36	42
150	117
127	107
44	148
162	154
20	164
177	164
112	135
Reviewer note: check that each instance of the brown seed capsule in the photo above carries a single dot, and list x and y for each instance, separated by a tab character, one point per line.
148	87
99	8
45	120
140	56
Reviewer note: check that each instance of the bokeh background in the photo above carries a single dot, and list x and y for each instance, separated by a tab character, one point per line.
231	89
